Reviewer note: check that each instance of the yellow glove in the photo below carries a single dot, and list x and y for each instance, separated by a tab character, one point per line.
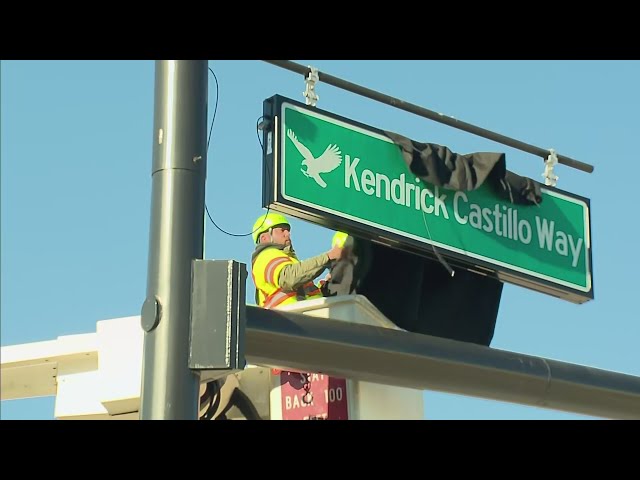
339	239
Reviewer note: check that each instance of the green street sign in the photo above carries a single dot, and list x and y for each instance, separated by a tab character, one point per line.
348	176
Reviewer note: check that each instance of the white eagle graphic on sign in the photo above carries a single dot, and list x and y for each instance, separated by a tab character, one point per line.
325	163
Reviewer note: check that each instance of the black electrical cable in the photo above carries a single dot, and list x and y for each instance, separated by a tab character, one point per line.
212	395
215	110
242	402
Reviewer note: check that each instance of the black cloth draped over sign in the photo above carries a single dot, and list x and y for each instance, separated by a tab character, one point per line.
439	166
417	293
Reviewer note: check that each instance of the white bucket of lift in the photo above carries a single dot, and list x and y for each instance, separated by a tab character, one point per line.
308	395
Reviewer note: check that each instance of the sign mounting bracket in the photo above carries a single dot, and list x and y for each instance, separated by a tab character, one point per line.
310	95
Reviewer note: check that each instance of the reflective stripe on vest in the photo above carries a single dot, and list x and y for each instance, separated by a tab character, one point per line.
277	298
263	271
271	268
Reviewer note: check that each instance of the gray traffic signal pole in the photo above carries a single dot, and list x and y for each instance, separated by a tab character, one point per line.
170	390
412	360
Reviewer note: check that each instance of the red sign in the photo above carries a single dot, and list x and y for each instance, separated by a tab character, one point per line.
313	396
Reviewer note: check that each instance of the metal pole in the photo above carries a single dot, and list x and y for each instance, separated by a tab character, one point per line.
170	390
430	114
393	357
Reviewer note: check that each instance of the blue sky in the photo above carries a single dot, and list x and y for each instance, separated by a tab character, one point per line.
76	149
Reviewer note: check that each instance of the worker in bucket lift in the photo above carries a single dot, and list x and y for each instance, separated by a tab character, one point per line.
280	278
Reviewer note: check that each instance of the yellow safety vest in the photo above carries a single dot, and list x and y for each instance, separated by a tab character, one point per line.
265	271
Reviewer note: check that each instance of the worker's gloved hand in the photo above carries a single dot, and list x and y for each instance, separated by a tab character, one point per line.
341	246
324	285
341	243
339	239
341	267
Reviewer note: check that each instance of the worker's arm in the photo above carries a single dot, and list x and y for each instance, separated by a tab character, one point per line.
297	274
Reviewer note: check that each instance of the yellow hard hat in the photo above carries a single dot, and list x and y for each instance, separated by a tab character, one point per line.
267	221
339	239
